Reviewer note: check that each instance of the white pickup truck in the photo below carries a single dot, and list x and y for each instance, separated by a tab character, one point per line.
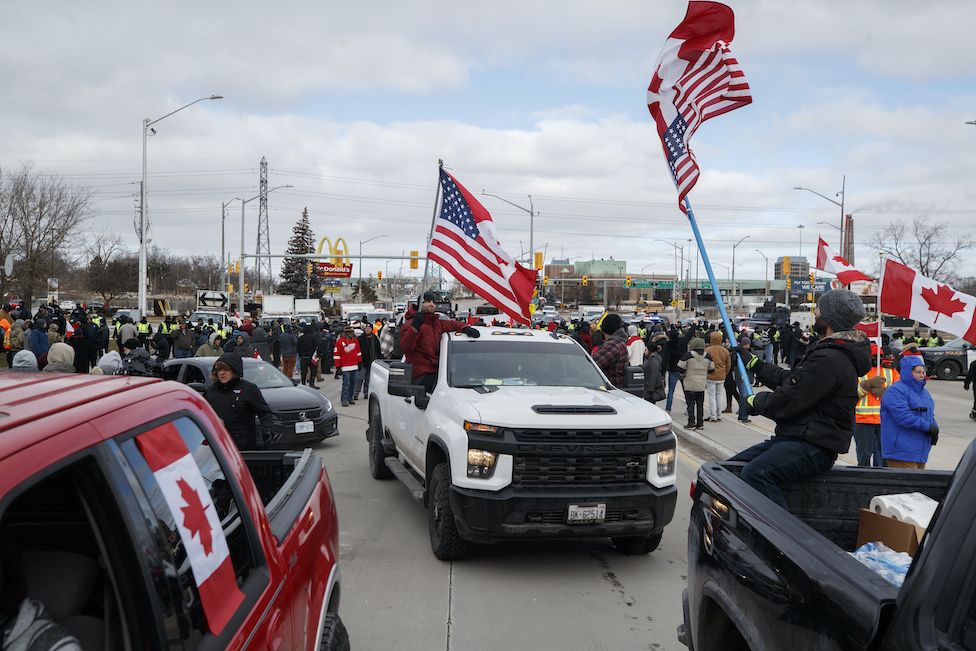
523	437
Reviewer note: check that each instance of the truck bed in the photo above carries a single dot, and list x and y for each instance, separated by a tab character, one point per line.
285	481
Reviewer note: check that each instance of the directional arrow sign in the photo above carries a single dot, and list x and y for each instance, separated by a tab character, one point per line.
212	298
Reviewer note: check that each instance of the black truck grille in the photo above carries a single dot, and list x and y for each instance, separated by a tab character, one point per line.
581	435
590	471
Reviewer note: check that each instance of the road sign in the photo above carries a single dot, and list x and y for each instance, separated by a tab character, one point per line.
212	298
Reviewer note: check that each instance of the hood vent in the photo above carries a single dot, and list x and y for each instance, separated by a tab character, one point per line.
573	409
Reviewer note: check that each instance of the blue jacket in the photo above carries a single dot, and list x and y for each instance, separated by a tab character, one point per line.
907	413
38	341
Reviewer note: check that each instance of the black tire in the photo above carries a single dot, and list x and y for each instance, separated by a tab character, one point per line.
334	635
377	457
947	370
445	540
636	545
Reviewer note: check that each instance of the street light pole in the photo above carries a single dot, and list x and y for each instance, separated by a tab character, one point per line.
679	252
531	211
800	229
225	275
766	287
359	285
240	273
734	247
843	195
143	214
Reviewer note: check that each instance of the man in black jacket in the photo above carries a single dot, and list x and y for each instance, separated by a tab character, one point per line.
308	346
812	404
369	344
237	401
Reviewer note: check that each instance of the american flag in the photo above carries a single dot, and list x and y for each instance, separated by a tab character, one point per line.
696	78
464	242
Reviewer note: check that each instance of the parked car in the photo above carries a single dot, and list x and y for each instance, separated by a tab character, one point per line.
950	361
128	512
302	415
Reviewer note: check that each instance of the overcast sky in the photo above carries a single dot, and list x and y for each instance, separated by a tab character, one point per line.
353	104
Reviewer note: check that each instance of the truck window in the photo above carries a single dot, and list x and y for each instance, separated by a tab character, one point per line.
240	547
520	364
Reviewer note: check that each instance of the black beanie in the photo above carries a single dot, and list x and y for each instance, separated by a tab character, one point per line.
611	323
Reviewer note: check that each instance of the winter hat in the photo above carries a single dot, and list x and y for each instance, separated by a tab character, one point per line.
611	323
842	309
745	339
62	353
697	344
632	330
109	362
25	360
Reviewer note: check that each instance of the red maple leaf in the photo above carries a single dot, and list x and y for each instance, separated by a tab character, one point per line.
840	259
195	516
942	301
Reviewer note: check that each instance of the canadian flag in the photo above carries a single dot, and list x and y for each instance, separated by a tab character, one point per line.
905	292
870	329
195	516
829	261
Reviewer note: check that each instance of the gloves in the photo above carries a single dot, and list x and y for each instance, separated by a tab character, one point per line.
934	433
471	332
752	407
418	320
965	385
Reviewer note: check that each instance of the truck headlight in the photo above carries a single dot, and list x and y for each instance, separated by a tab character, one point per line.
482	428
661	430
481	464
665	462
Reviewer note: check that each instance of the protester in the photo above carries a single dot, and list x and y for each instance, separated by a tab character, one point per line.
695	366
237	402
212	348
261	343
420	337
24	362
738	382
969	381
347	358
39	343
714	385
654	368
812	404
60	359
308	345
109	362
162	343
242	345
183	341
867	413
388	340
611	356
326	346
677	347
635	347
908	425
288	341
16	341
84	349
369	345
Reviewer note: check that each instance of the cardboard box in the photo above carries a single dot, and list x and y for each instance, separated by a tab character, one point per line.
899	536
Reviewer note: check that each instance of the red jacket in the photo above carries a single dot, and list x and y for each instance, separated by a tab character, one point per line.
347	354
423	348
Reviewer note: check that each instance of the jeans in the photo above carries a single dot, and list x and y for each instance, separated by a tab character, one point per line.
673	378
768	358
362	383
696	405
348	386
181	353
714	389
867	444
780	460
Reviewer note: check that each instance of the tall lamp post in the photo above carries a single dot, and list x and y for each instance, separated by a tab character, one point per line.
359	285
143	222
531	211
734	247
240	273
800	229
841	194
223	247
766	283
679	252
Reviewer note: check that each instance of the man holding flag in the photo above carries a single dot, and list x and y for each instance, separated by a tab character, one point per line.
420	338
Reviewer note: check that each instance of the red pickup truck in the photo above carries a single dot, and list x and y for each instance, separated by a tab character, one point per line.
127	511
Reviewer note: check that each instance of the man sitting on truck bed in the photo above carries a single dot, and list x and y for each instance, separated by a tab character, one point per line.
420	337
813	404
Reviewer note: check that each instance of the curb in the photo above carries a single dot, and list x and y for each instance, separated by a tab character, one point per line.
717	450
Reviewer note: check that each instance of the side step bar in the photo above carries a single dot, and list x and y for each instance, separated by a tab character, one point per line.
406	478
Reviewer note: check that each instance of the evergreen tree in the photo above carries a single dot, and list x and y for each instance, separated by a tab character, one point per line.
294	271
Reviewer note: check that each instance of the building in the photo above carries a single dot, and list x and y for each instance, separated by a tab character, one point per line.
602	268
799	268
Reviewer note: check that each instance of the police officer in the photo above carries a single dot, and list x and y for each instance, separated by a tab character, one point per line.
144	330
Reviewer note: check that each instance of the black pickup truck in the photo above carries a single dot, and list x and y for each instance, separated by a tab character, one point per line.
760	577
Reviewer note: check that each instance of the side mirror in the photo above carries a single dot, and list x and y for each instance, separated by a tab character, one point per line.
401	373
199	387
634	376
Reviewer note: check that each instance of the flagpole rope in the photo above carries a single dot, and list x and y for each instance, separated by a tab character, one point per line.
745	387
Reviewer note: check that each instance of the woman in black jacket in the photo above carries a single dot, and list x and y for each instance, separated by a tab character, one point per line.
308	345
237	401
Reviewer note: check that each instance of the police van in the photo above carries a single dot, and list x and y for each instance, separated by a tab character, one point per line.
949	362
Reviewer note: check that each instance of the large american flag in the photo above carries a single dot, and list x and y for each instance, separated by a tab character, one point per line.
464	242
695	79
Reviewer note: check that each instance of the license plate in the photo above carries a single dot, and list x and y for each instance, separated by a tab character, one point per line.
304	427
586	513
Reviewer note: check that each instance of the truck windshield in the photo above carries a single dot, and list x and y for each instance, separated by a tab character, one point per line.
494	363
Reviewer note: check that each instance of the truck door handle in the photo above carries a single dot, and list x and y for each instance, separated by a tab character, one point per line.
408	399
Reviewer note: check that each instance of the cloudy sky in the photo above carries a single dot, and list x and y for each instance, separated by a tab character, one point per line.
354	103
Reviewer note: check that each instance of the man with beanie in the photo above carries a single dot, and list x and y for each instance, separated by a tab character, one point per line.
812	404
612	356
420	337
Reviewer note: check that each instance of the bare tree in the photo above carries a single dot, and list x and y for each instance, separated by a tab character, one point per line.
39	215
931	247
111	270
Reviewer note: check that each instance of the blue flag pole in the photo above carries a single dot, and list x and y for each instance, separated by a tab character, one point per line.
745	387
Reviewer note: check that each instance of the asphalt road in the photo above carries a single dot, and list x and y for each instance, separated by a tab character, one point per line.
952	407
563	595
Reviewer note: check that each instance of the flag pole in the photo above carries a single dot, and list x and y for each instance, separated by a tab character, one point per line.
745	388
881	275
433	220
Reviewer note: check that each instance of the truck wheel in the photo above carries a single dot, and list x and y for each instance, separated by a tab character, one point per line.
947	370
635	545
334	635
377	457
445	540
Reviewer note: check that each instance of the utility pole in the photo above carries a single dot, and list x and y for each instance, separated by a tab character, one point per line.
264	236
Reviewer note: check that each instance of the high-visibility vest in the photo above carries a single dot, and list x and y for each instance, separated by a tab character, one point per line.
166	328
868	408
776	336
143	328
933	341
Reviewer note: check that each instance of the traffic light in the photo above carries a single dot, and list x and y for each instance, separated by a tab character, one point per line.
414	260
545	281
538	260
586	280
247	288
786	266
628	281
788	284
237	267
379	275
308	269
811	280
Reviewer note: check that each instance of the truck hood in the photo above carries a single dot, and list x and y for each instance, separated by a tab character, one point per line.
534	407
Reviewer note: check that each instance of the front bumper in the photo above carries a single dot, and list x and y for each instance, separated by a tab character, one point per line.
283	436
484	516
